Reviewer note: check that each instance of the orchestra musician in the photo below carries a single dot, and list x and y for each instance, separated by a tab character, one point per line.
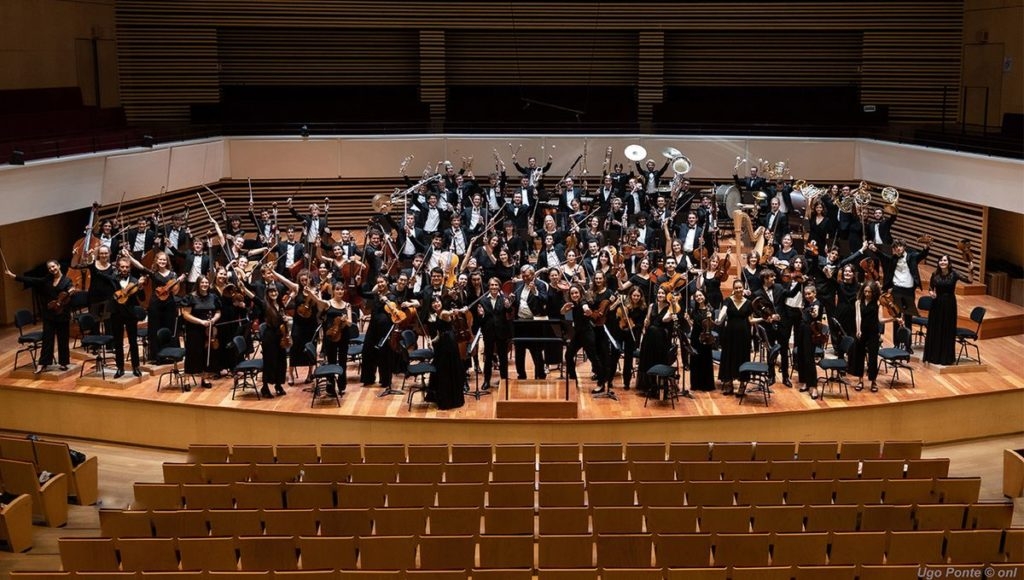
338	330
201	312
735	319
940	340
631	316
494	310
651	175
446	384
529	300
868	318
902	276
123	316
810	316
620	249
54	292
580	314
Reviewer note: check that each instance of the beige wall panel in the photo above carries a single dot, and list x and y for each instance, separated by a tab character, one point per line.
284	158
193	165
175	426
383	157
819	160
50	187
135	175
710	157
982	180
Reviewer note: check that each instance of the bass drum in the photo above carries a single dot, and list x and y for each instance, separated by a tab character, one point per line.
799	203
729	197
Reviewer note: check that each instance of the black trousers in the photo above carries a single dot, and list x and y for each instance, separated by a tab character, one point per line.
121	324
492	347
336	354
58	329
588	343
536	353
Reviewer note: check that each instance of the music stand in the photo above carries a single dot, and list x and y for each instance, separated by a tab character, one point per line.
555	333
477	392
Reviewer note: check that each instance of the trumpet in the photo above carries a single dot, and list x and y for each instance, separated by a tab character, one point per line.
405	164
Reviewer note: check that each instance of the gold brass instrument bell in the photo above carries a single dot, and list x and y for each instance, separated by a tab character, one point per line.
680	163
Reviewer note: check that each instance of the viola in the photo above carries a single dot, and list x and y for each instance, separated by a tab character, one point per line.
58	303
674	283
625	322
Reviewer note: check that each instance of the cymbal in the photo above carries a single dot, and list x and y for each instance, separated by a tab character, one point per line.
635	152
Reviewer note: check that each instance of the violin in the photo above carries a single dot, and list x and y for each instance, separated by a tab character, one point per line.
286	335
352	273
625	322
232	294
304	309
762	308
792	276
812	248
58	303
336	330
819	333
212	337
707	325
886	301
122	295
398	314
164	291
769	252
724	265
870	269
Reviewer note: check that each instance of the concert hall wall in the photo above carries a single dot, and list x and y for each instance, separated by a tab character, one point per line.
659	59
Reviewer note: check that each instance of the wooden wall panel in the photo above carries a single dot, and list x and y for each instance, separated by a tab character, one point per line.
901	53
330	56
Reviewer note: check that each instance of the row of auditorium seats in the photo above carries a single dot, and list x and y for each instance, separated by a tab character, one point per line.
466	552
325	494
48	499
55	457
660	470
549	520
486	453
837	572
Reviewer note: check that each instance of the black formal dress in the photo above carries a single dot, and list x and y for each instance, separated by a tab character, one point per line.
655	348
702	367
940	342
445	386
196	336
735	340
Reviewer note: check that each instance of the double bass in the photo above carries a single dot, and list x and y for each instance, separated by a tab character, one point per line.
80	276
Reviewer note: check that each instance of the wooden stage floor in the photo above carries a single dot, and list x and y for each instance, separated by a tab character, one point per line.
1001	375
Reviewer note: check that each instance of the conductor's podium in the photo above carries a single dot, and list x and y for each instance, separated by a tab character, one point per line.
551	398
